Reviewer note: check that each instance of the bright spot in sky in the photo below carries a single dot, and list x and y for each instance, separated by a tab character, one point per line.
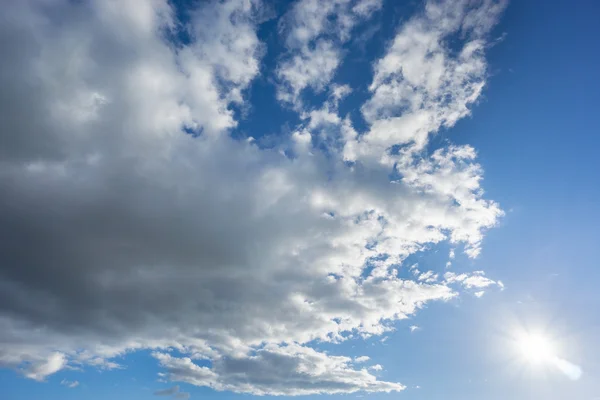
539	350
536	348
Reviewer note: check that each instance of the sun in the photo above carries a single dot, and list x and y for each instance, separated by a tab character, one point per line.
537	351
536	348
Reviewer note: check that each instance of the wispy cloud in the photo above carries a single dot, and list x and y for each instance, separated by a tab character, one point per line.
69	384
174	392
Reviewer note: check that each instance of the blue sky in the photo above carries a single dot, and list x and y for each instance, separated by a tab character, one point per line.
238	199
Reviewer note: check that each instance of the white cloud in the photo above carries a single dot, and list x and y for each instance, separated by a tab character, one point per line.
315	31
361	359
414	328
69	384
365	8
451	176
129	234
338	92
475	280
421	84
428	277
278	370
309	68
39	370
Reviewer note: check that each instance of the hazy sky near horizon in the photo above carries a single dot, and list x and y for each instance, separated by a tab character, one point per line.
224	199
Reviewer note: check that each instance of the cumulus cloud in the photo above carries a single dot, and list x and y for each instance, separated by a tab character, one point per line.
278	370
39	370
131	219
421	84
315	31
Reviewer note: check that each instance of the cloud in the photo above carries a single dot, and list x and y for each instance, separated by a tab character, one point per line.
167	392
414	328
312	68
361	359
69	384
421	84
278	370
134	220
315	32
39	370
476	280
174	392
428	277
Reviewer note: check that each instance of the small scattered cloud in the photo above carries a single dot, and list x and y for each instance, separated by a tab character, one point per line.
69	384
314	34
428	277
475	280
39	370
174	392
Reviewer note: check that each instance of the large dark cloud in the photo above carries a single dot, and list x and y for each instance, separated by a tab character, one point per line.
119	231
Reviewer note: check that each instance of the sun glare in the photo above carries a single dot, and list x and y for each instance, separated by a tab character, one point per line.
536	348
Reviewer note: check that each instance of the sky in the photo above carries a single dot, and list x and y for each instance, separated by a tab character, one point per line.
320	199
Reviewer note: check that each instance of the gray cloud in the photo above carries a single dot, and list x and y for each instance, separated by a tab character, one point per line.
119	232
167	392
174	392
275	370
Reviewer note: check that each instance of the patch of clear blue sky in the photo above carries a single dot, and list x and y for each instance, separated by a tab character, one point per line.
536	130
